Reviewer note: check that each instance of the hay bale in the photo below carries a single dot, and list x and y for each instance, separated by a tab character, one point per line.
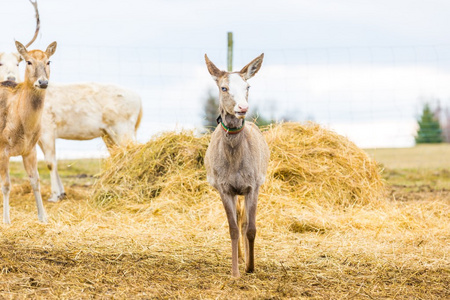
316	164
308	163
171	163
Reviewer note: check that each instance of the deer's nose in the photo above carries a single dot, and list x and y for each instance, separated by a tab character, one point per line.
43	84
243	108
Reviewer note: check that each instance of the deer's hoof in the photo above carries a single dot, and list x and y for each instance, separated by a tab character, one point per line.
53	199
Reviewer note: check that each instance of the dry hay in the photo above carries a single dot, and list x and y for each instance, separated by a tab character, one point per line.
169	166
308	164
164	232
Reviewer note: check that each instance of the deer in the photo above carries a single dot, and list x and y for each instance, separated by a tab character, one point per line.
236	160
79	111
21	107
85	111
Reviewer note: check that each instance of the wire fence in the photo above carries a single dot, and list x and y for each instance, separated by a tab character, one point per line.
373	95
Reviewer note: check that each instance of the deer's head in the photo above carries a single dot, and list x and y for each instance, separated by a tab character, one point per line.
37	70
9	66
233	86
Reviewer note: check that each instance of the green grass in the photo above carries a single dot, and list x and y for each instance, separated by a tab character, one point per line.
420	168
75	171
429	156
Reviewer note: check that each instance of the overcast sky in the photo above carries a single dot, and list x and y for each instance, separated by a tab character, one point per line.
281	24
363	68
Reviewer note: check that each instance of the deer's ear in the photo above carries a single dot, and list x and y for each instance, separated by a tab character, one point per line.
18	56
51	49
213	70
22	50
252	68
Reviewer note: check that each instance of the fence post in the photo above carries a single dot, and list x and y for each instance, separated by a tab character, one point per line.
230	52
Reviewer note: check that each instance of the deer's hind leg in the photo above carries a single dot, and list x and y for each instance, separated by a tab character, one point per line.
30	164
108	138
47	144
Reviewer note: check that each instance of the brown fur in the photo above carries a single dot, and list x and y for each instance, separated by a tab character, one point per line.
20	122
8	83
236	165
138	122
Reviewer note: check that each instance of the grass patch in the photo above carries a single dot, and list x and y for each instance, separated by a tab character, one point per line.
426	156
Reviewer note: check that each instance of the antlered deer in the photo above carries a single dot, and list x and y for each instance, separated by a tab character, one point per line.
21	107
236	159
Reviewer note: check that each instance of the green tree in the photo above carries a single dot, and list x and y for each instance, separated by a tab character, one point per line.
260	120
429	128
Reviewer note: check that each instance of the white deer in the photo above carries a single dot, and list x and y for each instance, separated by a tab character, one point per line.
21	107
81	111
236	159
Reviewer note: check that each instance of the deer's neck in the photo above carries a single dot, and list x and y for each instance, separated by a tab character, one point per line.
232	129
30	104
230	121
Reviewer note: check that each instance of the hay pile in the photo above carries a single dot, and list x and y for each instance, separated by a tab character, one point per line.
315	164
308	163
168	165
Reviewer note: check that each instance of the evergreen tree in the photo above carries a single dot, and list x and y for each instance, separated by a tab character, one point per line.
259	120
429	128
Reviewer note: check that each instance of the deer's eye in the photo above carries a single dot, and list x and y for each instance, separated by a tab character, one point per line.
48	63
224	89
29	63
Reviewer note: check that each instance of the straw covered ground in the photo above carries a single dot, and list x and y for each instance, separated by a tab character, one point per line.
144	223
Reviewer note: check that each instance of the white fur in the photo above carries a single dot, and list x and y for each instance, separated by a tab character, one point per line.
9	66
86	111
238	90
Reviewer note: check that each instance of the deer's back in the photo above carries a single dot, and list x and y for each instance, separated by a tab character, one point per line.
80	111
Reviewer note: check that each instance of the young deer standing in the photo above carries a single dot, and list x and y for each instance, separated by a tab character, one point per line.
237	158
21	108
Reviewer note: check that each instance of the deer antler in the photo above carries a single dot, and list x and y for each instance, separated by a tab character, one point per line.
38	23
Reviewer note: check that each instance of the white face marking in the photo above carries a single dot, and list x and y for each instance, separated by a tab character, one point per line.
238	90
9	67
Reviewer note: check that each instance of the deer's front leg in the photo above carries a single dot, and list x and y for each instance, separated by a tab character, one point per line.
251	200
229	203
30	164
6	183
242	224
